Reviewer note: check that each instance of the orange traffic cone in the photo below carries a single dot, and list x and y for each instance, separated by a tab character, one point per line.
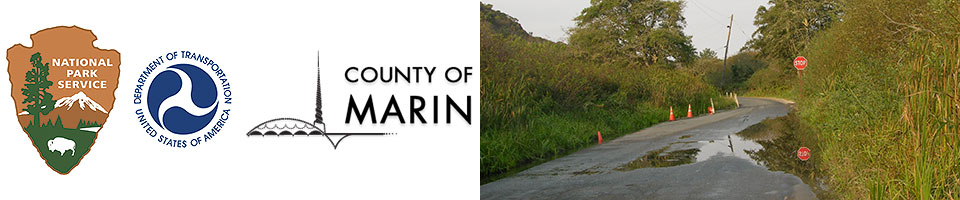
599	138
671	113
689	111
710	109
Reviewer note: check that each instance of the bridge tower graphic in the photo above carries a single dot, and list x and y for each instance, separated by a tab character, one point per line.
296	127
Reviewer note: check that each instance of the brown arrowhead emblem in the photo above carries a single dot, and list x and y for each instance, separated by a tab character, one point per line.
63	88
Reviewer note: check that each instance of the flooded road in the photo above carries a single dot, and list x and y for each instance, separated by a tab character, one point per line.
747	153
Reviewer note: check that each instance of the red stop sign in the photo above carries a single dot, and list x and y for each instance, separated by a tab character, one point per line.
803	153
800	63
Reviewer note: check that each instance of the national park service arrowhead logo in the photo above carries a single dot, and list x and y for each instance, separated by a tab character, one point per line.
63	91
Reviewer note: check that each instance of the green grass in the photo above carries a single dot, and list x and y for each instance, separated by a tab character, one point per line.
507	151
881	91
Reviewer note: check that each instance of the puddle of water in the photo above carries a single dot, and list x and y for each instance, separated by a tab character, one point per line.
693	151
781	138
772	143
586	172
657	158
732	146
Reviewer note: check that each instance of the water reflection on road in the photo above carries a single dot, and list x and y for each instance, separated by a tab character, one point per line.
771	143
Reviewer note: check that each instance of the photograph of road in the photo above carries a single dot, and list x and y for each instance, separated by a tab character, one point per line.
698	99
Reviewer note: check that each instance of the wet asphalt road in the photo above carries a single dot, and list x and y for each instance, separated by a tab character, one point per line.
590	174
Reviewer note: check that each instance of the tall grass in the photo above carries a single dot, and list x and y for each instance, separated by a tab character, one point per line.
931	120
881	88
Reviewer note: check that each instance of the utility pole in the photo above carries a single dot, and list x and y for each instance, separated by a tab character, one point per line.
723	77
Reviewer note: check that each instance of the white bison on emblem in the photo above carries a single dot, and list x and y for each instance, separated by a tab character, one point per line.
62	145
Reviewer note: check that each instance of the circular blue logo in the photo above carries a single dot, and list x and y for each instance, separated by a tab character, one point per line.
182	99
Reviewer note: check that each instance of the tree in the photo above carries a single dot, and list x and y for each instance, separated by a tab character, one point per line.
784	28
59	123
633	31
743	65
38	100
707	53
500	22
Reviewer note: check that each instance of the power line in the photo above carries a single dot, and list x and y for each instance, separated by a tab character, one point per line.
695	4
712	10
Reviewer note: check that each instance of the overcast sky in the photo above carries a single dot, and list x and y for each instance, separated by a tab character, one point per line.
706	19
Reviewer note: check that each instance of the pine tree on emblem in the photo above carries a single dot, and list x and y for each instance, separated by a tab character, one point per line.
38	100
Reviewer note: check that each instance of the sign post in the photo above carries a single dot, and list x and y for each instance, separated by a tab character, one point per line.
800	63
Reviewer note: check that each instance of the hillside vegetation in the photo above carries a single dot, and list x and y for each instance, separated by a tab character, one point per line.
541	99
881	91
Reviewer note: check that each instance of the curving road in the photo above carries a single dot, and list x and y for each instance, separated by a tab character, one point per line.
718	173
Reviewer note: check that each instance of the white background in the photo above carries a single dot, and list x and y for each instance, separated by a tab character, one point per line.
268	51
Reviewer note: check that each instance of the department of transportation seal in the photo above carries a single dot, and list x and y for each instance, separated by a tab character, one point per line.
183	99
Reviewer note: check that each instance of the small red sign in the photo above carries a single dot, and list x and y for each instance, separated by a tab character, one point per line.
800	63
803	153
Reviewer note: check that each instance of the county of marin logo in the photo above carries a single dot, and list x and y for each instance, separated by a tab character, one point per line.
183	99
418	104
63	91
296	127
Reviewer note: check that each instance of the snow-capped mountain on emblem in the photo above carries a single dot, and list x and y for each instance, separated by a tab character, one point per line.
84	101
